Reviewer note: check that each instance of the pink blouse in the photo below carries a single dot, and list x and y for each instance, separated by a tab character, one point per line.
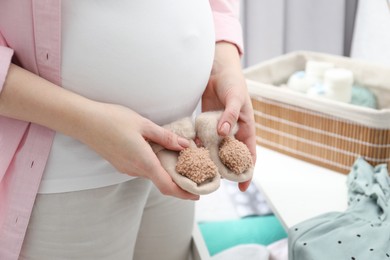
30	35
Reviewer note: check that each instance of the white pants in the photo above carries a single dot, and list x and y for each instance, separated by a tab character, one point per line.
132	220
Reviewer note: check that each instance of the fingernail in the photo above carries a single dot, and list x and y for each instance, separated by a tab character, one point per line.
225	128
183	142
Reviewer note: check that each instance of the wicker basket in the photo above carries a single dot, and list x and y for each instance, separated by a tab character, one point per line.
317	130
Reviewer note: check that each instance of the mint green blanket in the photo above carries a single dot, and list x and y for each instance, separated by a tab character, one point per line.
220	235
361	232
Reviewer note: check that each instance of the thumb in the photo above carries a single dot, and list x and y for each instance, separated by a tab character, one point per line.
229	117
165	137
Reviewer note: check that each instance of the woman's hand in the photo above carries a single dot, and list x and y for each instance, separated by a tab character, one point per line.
117	133
121	136
227	90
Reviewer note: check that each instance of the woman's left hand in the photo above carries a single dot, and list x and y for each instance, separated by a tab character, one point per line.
227	91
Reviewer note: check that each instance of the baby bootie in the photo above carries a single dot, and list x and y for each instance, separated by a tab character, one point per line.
192	168
232	157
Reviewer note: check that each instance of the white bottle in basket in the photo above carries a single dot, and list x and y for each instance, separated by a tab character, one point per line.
315	71
313	75
338	84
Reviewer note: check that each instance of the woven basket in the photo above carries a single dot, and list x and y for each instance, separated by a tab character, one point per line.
317	130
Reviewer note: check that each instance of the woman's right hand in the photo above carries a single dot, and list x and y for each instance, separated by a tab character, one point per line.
121	136
115	132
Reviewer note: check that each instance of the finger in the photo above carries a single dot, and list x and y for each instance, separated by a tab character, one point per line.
252	149
229	116
164	137
167	186
247	135
153	170
243	186
247	131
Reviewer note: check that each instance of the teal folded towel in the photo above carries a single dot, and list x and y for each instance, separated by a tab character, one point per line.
221	235
362	96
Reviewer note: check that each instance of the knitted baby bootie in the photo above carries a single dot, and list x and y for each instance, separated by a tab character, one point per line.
232	157
192	168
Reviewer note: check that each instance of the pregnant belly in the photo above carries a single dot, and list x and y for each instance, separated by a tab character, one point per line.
152	56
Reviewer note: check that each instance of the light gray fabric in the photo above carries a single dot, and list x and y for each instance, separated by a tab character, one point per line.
361	232
114	222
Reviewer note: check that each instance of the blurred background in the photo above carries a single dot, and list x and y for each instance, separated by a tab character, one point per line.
355	28
254	224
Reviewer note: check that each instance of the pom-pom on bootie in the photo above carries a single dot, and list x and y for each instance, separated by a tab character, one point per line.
232	157
235	155
192	168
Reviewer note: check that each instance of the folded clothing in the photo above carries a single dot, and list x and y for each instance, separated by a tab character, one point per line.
221	235
361	232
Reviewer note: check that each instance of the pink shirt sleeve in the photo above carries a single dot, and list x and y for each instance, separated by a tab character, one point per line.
5	60
227	23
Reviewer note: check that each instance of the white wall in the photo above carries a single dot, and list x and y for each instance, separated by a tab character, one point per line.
263	24
274	27
371	39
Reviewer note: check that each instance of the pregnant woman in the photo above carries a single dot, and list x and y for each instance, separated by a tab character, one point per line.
84	84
